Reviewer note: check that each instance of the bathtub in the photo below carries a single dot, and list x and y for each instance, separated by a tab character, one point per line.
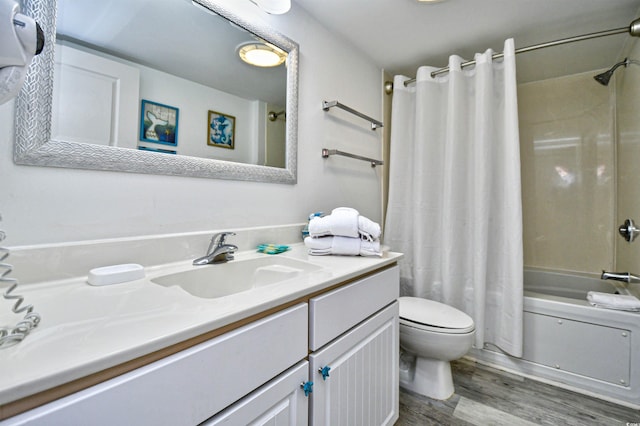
569	343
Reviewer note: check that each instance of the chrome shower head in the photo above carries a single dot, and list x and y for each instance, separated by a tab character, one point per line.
606	76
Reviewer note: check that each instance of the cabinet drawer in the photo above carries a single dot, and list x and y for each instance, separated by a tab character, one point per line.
335	312
190	386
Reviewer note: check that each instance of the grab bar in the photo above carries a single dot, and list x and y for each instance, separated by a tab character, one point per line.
326	105
327	152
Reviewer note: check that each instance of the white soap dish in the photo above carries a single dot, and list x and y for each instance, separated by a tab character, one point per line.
115	274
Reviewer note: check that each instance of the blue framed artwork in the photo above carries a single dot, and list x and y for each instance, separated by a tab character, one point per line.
221	130
158	123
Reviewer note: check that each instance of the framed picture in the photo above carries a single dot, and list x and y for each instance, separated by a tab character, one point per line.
160	150
221	130
158	123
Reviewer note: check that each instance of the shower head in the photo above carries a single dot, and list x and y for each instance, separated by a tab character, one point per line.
634	30
606	76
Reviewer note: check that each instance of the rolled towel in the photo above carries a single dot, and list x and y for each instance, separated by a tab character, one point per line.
619	302
345	246
368	229
344	222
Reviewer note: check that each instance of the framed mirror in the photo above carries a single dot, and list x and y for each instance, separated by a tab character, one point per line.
39	140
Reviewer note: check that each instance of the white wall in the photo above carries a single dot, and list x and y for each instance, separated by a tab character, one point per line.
50	205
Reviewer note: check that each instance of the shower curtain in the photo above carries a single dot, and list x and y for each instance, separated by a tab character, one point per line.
454	205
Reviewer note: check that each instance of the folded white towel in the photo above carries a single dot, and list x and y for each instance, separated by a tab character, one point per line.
344	222
619	302
345	246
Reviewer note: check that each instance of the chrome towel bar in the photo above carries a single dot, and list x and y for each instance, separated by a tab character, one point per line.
327	152
326	105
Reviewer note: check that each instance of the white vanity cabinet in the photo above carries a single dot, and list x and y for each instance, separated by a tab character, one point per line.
353	333
253	374
354	366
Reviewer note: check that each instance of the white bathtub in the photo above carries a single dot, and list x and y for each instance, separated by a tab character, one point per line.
572	344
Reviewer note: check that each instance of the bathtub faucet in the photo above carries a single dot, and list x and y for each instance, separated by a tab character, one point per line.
620	276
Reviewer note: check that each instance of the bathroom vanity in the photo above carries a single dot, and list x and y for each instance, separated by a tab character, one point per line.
317	348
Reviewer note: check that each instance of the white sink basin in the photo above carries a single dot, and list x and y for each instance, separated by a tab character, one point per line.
235	276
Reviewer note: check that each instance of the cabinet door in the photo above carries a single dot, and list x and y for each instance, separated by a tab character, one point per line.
280	402
95	99
362	386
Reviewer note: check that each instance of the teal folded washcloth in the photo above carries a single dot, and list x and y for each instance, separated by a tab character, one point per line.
272	248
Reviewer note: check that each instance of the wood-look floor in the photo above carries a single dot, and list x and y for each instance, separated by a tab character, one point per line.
485	396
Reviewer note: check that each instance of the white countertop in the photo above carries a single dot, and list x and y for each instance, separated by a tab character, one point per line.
86	329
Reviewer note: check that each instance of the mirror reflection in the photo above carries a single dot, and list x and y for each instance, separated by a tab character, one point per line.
89	148
129	74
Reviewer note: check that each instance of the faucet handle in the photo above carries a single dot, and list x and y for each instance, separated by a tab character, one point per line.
217	240
221	237
628	230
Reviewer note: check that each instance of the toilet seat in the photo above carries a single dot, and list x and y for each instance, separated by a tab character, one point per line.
433	316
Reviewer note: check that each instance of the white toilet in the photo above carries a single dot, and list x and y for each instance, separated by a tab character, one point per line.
431	335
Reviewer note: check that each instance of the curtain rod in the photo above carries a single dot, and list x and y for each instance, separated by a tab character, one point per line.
633	29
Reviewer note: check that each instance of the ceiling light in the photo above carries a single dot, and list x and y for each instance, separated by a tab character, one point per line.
275	7
261	55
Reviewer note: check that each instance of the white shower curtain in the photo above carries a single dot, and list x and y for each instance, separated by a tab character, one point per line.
454	200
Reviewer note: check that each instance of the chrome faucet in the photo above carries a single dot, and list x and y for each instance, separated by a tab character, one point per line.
218	251
620	276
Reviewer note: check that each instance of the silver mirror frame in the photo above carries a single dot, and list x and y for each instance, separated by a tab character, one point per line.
34	146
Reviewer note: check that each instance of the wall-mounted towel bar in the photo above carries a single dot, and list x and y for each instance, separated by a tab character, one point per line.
327	152
326	105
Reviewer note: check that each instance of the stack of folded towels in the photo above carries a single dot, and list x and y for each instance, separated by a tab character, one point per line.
343	232
614	301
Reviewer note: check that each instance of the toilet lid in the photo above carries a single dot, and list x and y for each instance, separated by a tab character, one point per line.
420	313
